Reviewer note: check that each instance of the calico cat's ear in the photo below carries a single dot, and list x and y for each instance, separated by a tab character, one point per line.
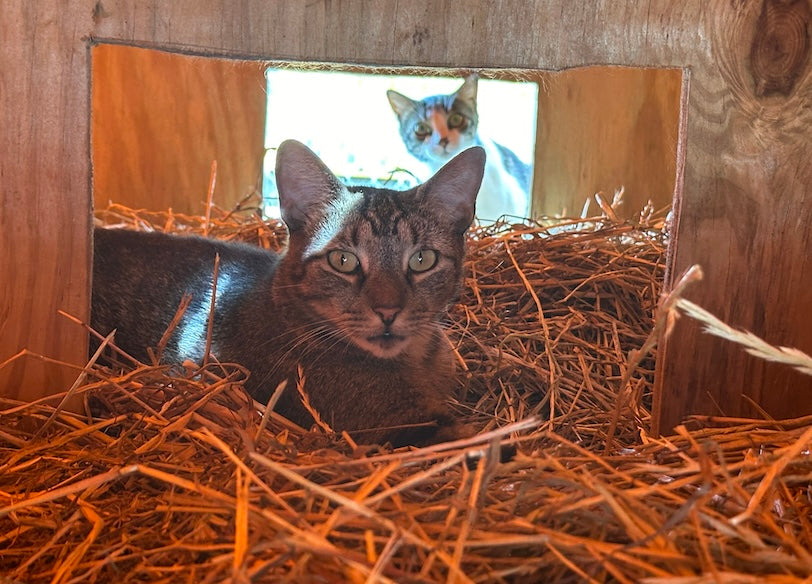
453	189
304	183
401	104
467	91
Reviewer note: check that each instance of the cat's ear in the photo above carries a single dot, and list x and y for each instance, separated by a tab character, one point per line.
453	189
305	184
401	104
467	91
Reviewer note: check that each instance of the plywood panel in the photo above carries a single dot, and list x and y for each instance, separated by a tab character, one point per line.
745	213
746	217
603	128
44	197
159	120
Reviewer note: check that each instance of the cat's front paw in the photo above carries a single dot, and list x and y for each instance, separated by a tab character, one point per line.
450	430
443	428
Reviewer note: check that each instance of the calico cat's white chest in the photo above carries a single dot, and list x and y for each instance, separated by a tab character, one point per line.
500	193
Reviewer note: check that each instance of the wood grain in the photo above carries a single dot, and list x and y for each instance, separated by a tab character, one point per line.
743	214
780	48
44	196
159	120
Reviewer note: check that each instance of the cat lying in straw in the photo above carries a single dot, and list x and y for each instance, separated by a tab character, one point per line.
355	302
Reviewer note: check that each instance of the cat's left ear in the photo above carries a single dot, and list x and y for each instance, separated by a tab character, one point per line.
455	186
305	184
401	104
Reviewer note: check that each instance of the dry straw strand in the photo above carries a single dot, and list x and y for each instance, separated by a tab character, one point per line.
181	477
754	345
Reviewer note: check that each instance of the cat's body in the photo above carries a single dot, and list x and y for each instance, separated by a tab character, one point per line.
436	128
356	300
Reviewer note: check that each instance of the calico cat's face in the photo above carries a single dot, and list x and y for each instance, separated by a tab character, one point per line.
374	267
436	128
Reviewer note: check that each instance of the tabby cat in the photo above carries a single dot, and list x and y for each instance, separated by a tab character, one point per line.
436	128
357	299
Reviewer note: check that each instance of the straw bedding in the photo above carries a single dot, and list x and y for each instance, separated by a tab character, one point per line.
175	476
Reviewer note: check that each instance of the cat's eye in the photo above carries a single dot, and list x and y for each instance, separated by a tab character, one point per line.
423	260
422	129
343	261
455	120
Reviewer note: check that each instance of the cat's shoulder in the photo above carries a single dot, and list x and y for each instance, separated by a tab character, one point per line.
139	243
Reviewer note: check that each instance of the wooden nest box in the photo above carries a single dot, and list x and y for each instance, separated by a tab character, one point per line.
741	166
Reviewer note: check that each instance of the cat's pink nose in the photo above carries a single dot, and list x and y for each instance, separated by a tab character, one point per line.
387	314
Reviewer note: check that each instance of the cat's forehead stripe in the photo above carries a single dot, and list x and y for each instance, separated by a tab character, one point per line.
333	221
384	212
384	215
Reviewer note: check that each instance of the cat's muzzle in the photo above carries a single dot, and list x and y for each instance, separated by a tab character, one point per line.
387	344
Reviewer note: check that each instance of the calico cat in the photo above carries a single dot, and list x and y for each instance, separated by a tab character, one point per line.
357	298
436	128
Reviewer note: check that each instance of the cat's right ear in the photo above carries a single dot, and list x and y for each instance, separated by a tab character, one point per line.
305	184
401	104
453	188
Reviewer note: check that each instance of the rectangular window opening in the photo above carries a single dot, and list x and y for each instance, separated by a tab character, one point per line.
346	118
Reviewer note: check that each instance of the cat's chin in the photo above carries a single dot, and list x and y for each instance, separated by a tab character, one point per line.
386	346
440	155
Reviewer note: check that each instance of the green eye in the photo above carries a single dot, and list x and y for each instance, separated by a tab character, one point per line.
343	261
422	130
423	260
455	120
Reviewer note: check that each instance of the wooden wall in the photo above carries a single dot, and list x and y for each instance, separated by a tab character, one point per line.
44	196
603	128
159	119
744	213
